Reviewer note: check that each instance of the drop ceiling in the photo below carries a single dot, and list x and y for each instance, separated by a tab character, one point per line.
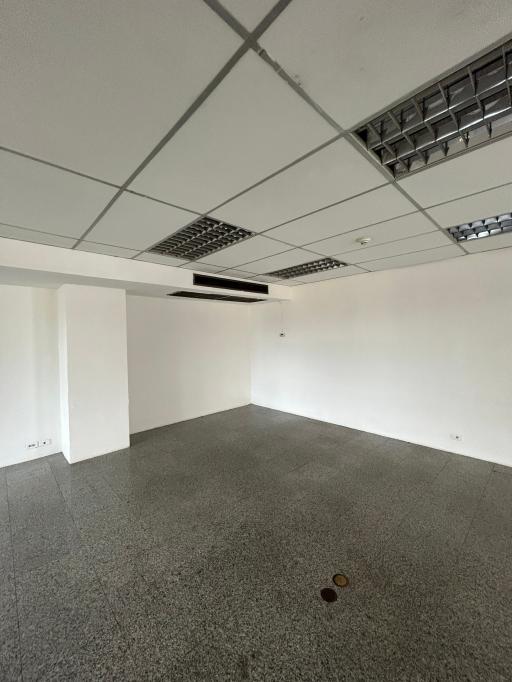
123	123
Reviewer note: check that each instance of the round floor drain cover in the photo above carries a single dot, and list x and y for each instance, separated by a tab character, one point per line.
340	580
328	594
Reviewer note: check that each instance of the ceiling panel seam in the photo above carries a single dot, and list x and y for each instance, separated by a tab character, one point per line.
235	58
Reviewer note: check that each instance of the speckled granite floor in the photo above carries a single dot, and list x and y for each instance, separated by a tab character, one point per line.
200	552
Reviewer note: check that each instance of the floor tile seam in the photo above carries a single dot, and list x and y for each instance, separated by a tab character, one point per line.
15	578
108	603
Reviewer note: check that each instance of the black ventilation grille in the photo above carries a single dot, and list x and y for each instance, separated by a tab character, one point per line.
308	268
203	237
215	297
471	106
487	227
233	284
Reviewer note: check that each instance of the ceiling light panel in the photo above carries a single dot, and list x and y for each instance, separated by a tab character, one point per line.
336	172
311	268
250	126
481	229
355	58
247	251
134	222
94	86
373	207
200	239
347	271
12	232
428	256
422	242
388	231
39	197
462	111
464	210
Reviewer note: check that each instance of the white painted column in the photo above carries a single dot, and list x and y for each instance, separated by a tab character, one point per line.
93	371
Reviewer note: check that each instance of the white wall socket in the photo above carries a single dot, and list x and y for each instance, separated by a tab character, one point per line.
39	443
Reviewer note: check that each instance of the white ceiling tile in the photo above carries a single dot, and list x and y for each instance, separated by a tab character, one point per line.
348	271
40	197
250	126
391	230
134	222
358	56
282	260
12	232
375	206
243	274
106	250
483	205
418	258
421	242
498	241
471	172
248	12
334	173
202	267
160	260
95	85
248	250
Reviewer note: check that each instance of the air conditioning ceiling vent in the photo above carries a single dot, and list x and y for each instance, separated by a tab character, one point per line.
215	297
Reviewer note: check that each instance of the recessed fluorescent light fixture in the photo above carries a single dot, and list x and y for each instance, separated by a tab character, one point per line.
201	238
469	107
487	227
308	268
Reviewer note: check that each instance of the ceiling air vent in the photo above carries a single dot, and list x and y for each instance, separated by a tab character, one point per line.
487	227
201	238
464	110
215	297
225	283
308	268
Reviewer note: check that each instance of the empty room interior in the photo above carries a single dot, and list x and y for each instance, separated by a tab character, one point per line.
255	340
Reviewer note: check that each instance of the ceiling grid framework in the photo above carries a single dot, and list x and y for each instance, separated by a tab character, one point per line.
301	200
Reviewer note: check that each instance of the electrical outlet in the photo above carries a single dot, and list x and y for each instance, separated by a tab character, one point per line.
455	436
46	441
31	446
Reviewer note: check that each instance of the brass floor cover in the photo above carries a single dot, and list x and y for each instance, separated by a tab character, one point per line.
340	580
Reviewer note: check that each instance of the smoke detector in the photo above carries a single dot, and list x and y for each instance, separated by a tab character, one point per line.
363	240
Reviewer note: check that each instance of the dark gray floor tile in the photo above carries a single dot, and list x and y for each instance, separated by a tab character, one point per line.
199	553
10	659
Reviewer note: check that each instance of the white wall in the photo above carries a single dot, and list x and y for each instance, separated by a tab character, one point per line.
93	371
185	359
29	390
416	354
